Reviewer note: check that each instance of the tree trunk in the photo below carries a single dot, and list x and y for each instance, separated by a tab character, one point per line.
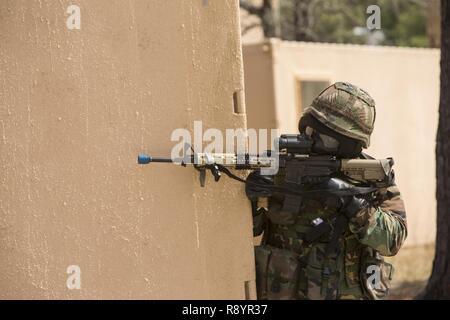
268	19
439	284
302	20
433	23
266	13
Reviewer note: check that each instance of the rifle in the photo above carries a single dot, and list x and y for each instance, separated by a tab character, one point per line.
296	157
306	173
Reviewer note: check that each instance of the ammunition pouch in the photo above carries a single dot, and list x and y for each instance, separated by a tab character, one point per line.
376	274
277	272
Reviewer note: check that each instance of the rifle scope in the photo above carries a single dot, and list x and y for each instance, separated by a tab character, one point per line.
295	143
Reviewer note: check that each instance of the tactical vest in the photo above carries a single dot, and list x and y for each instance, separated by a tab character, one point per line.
291	266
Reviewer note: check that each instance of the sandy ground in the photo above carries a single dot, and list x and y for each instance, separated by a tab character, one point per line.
412	269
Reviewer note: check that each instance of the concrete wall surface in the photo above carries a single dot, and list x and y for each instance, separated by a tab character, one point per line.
405	85
76	107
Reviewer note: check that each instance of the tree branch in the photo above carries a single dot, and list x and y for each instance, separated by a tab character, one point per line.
250	8
249	27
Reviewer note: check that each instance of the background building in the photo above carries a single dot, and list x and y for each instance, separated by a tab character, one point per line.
282	78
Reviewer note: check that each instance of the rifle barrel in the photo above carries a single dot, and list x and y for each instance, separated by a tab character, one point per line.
146	159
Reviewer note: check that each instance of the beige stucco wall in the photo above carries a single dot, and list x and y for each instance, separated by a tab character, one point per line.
405	85
259	84
76	107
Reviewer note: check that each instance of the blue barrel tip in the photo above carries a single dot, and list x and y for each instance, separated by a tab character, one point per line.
144	159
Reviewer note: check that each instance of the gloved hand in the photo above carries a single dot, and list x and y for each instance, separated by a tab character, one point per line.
359	212
257	185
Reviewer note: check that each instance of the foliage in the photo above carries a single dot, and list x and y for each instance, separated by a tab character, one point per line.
403	22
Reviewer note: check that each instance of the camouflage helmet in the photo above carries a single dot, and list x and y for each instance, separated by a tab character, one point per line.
345	109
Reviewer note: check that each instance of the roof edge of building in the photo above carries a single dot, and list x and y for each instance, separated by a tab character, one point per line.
289	43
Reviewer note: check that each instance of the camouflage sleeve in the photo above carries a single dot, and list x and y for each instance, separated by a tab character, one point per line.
386	229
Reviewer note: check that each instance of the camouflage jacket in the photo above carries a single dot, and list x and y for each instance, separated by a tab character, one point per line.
287	267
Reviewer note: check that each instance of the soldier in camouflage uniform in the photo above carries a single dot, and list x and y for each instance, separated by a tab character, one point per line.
288	266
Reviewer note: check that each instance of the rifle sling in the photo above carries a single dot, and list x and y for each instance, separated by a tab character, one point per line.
289	190
340	192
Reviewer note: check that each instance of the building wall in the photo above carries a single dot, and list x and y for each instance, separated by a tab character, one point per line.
405	85
259	84
76	107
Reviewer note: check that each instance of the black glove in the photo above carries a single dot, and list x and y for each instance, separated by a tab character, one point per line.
353	205
359	212
257	185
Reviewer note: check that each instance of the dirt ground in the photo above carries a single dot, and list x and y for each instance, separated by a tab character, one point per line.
412	269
